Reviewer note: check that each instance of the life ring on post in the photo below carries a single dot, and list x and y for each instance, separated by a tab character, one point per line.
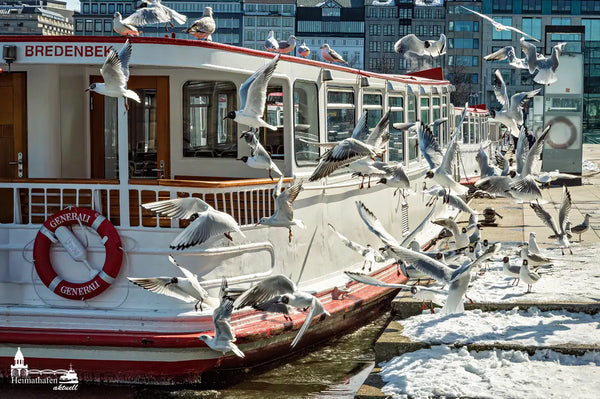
112	245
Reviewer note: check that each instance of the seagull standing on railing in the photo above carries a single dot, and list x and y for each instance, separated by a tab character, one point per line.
115	73
303	50
253	97
204	27
271	44
287	46
330	55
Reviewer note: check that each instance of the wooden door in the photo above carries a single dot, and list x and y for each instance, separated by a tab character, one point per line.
13	136
148	126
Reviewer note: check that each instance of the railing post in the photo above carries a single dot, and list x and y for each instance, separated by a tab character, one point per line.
123	137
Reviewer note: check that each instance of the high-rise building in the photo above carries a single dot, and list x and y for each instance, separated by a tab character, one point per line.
35	17
262	16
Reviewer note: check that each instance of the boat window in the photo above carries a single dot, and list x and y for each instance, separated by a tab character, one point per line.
142	129
477	132
424	110
205	133
373	102
396	145
461	130
340	114
111	150
412	117
273	140
306	122
435	115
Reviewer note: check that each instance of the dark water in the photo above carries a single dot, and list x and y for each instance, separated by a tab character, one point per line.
335	370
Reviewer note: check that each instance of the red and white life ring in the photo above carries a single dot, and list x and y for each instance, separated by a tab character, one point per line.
112	246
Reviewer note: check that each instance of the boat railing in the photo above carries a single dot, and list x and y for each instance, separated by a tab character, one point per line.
32	201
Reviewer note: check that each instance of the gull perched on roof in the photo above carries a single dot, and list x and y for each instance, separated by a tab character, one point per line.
511	114
271	44
281	291
284	209
204	27
500	27
331	55
187	289
287	46
115	73
563	217
303	50
206	221
546	66
411	44
259	157
253	97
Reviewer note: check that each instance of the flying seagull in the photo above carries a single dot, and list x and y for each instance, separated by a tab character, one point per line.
289	296
546	66
498	26
204	27
115	73
154	12
563	217
259	158
411	44
122	28
509	53
206	221
369	253
284	209
253	96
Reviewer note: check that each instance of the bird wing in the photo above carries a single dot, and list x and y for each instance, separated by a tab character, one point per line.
502	54
502	162
253	92
349	243
410	44
403	125
433	268
222	322
530	51
481	15
565	209
147	16
398	173
381	132
112	71
518	100
336	56
124	57
278	189
524	187
449	156
284	203
508	27
366	279
178	17
500	89
265	290
484	166
410	237
347	151
179	208
205	226
522	149
533	163
429	146
544	216
375	225
193	278
449	224
316	309
273	305
163	286
361	130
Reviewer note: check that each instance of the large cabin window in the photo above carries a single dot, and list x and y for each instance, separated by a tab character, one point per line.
373	103
412	117
424	110
435	115
340	114
143	135
205	133
396	145
273	140
306	122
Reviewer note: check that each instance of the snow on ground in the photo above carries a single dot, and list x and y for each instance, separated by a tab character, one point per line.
589	166
531	327
445	371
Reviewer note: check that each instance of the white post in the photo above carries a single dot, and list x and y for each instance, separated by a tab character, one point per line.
123	136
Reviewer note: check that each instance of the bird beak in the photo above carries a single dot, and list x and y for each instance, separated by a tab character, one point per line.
225	117
88	89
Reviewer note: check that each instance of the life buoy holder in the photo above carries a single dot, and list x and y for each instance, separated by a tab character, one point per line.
572	133
112	245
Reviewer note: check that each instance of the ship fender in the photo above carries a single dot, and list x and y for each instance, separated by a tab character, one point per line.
48	234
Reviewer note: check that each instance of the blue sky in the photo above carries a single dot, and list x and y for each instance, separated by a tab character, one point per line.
72	4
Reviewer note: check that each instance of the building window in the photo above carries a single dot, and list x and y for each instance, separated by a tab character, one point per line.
533	27
412	117
502	6
102	8
388	30
86	8
590	7
330	11
306	122
340	114
564	6
463	43
79	25
89	25
373	102
375	30
273	140
107	25
463	26
424	110
504	34
98	25
396	144
111	8
94	8
205	133
531	6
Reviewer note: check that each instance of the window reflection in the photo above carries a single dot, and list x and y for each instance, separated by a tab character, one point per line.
340	115
306	122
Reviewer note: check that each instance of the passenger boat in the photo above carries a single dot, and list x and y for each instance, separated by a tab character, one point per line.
78	163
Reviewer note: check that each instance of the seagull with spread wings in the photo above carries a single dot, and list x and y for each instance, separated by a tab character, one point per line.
123	28
546	66
509	53
253	97
187	289
280	293
284	209
560	230
115	73
412	45
206	221
500	27
369	253
259	157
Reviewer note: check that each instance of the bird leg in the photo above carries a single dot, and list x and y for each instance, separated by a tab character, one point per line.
290	236
228	236
431	307
570	250
362	183
126	105
396	191
364	264
423	307
369	185
370	265
199	302
271	177
219	361
470	300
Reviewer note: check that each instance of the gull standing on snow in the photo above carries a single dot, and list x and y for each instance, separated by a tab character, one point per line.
559	230
224	338
583	227
528	276
115	73
289	295
303	50
253	96
511	114
260	158
204	27
271	44
533	245
154	12
331	55
411	44
498	26
369	253
511	270
122	28
546	66
206	221
187	289
533	258
287	46
284	209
